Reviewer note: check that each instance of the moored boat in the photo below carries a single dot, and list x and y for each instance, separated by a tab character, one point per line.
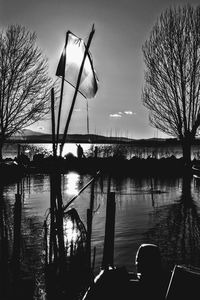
117	283
150	281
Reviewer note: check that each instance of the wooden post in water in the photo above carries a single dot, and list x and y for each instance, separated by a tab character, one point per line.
46	243
89	234
89	226
56	245
56	255
108	251
59	220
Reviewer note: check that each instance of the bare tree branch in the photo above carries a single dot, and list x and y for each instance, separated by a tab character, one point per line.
172	76
24	81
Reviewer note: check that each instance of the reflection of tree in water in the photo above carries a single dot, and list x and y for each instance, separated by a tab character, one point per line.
32	245
178	231
20	249
6	238
38	181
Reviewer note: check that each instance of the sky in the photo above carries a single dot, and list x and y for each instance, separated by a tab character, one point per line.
121	28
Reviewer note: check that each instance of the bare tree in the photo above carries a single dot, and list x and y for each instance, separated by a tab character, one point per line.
172	77
24	82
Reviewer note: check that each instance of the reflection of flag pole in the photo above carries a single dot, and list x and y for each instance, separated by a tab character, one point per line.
76	89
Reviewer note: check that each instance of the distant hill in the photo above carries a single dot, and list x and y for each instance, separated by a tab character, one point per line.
28	132
31	136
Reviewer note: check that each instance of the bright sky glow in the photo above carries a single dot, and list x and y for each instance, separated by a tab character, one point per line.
75	52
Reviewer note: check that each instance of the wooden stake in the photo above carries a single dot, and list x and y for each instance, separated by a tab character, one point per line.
89	224
108	252
59	221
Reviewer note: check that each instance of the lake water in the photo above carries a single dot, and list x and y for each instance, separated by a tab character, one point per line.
164	211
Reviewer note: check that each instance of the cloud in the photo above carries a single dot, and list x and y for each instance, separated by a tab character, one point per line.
129	112
116	115
119	114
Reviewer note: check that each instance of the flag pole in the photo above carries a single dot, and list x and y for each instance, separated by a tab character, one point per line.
62	89
76	89
53	122
87	117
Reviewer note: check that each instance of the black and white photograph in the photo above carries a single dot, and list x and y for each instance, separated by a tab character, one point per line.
99	150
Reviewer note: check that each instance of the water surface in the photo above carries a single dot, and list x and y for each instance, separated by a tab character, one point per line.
164	211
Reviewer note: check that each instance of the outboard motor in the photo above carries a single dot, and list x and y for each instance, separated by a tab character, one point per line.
148	261
149	272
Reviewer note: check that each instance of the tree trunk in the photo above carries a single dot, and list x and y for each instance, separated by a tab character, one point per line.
186	147
1	150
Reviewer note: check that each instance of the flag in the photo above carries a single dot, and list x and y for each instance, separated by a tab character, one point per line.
70	63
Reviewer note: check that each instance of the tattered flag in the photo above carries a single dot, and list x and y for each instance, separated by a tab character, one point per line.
70	63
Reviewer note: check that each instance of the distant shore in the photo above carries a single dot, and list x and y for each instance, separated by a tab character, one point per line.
114	165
